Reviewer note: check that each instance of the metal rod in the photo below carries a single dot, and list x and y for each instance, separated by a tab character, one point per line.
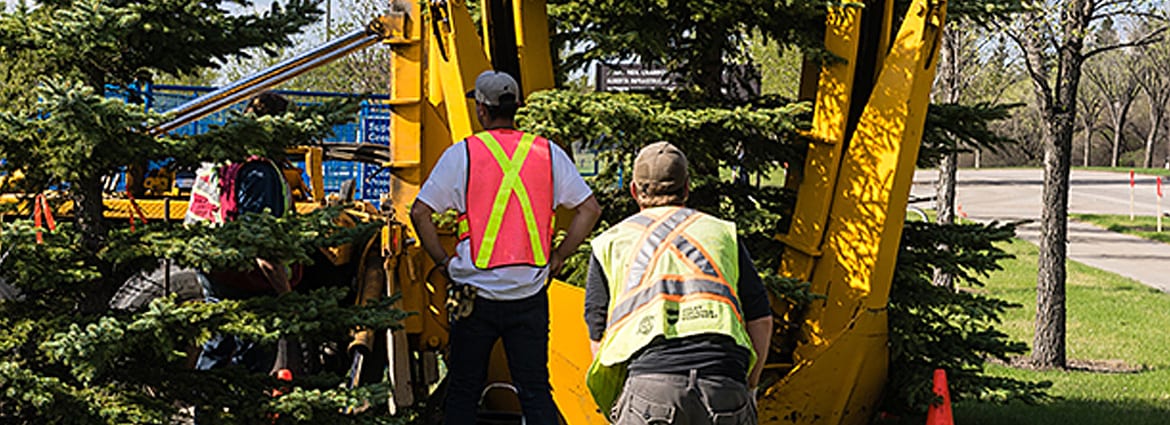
257	82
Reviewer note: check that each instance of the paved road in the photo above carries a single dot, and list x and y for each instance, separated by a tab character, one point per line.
1015	194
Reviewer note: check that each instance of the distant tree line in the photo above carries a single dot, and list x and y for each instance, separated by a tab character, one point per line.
1122	113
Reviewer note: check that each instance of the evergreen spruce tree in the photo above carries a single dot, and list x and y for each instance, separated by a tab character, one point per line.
64	356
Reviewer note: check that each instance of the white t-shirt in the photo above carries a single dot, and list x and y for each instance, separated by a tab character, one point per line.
445	189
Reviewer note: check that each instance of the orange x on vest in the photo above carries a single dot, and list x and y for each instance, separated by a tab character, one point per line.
666	236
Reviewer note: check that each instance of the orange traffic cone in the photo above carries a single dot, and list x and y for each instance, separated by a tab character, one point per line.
281	375
284	375
940	414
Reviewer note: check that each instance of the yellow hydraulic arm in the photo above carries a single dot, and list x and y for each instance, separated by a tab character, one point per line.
850	208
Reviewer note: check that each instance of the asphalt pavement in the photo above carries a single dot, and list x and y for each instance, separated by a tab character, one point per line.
1015	194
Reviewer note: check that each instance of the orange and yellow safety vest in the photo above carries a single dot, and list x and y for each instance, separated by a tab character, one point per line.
673	272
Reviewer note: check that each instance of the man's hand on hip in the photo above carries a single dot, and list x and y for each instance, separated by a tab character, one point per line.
555	264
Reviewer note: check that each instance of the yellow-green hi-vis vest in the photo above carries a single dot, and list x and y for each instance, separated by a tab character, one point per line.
673	272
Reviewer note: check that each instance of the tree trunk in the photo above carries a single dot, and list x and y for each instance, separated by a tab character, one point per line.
945	203
1059	106
1152	136
1166	161
1148	158
710	68
1049	342
1117	124
950	89
1118	136
1088	145
87	201
87	193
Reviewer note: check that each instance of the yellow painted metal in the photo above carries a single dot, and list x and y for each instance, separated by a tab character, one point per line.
406	91
434	62
19	205
153	209
459	58
842	356
532	45
830	114
120	208
314	158
569	355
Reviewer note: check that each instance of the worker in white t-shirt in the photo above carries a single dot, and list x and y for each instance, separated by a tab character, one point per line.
506	185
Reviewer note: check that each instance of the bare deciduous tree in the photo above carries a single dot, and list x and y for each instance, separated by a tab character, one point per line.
1090	104
1155	85
1114	78
1053	39
970	71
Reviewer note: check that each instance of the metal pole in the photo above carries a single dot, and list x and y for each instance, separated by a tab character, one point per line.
254	84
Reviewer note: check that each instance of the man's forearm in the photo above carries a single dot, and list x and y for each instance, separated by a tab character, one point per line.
760	332
587	214
275	274
428	234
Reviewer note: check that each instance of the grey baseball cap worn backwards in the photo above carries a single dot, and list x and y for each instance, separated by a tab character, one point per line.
661	166
493	88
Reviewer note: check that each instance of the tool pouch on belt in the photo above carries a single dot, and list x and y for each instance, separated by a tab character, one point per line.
460	301
460	297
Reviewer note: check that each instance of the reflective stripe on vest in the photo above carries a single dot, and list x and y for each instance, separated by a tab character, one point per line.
706	281
509	215
213	195
672	274
204	202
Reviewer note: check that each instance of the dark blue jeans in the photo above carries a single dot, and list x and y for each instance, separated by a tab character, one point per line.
523	325
223	350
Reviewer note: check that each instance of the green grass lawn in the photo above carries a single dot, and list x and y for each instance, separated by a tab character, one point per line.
1109	318
1145	227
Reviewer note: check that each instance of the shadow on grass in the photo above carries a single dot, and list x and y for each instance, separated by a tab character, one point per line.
1057	412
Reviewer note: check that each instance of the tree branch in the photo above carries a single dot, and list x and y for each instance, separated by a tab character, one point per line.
1150	38
1127	13
1033	60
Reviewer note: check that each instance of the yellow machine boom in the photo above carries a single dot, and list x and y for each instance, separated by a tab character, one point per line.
848	218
